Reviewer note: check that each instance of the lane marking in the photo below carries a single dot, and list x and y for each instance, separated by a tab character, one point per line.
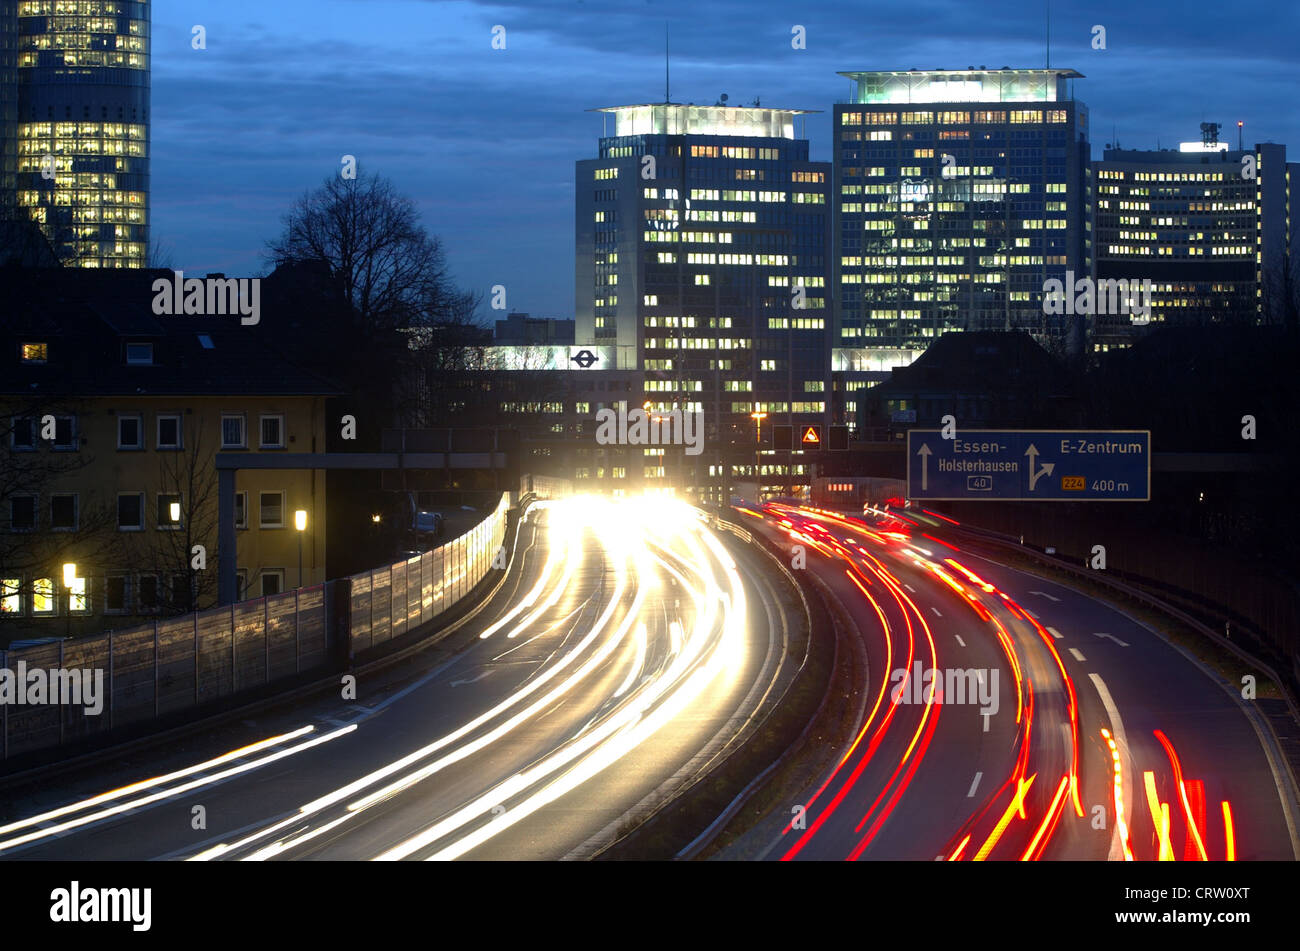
1112	637
974	784
1055	633
1030	613
1044	594
909	587
986	723
936	611
472	680
959	640
1121	741
1078	654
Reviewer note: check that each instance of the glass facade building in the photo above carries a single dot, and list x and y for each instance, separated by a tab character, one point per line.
701	236
957	195
1211	228
79	160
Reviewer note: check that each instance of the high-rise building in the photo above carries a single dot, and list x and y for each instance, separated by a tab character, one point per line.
702	234
74	124
1210	227
957	195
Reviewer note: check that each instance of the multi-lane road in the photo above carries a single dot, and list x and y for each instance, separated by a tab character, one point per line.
630	648
627	650
1009	717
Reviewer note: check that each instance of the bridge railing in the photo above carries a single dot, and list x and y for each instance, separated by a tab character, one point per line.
70	691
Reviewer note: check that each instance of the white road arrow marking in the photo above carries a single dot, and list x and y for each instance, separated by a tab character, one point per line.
924	453
457	683
1112	637
1044	594
1032	453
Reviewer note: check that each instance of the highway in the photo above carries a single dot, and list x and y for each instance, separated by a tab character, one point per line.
1007	717
626	651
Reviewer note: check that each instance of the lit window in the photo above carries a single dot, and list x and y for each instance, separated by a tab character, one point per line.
11	601
77	595
36	352
165	502
43	596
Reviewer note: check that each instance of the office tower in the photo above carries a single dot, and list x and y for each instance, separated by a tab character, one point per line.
701	260
75	77
957	195
1209	226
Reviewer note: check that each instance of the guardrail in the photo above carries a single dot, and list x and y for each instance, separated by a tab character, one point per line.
94	684
1142	596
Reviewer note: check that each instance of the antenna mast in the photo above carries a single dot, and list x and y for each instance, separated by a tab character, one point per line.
1049	33
667	96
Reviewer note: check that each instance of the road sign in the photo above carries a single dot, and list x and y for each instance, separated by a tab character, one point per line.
1027	465
812	437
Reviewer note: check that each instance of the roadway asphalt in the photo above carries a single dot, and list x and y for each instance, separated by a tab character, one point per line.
929	780
626	651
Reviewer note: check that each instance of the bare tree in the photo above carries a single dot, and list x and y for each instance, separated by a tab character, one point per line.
159	254
187	478
31	473
392	272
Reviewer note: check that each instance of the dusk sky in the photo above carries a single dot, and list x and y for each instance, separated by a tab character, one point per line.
485	140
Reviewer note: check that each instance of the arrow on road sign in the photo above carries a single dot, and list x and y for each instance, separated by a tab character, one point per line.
1032	453
924	453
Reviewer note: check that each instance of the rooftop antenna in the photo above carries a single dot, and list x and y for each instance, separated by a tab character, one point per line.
1048	4
667	97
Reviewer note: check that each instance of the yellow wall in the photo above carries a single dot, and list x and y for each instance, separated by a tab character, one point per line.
111	470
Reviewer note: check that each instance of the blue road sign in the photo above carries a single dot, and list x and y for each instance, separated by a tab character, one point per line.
1065	465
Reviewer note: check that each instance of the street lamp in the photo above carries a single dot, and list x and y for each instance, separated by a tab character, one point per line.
300	523
758	443
69	576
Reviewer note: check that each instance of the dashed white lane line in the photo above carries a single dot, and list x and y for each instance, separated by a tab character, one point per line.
909	587
959	640
936	611
974	784
1078	654
1030	613
1044	594
1055	633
